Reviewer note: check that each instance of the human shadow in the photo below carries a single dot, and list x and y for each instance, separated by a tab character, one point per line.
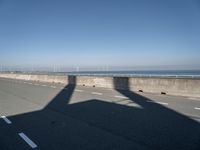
97	123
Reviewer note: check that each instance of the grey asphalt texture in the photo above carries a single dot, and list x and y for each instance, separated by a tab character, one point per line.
70	117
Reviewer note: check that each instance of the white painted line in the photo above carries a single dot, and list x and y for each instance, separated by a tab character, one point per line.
117	96
194	98
77	90
158	102
123	102
162	103
96	93
44	85
6	119
133	105
53	86
27	140
197	108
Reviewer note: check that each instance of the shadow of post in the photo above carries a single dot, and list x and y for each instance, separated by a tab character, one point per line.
64	96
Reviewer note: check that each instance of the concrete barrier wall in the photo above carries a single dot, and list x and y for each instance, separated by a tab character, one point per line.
179	87
170	86
106	82
39	78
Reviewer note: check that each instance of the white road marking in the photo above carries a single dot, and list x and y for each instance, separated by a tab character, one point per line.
197	108
158	102
96	93
162	103
53	86
77	90
123	102
117	96
6	119
194	98
27	140
44	85
133	105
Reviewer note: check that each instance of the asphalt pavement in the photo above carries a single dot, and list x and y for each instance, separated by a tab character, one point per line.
47	116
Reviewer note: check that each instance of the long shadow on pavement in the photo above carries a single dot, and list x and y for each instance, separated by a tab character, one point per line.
158	126
97	124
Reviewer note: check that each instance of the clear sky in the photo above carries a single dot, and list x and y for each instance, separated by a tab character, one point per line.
100	33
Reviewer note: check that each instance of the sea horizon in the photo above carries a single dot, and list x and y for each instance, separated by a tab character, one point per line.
170	73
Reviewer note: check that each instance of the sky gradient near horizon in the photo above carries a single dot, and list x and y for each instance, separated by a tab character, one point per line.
100	33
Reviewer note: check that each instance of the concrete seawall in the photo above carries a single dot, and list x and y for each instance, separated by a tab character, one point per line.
170	86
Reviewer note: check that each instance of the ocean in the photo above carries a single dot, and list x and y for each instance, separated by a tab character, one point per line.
145	73
136	73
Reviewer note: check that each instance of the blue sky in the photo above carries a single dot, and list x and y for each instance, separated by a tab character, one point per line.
94	33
